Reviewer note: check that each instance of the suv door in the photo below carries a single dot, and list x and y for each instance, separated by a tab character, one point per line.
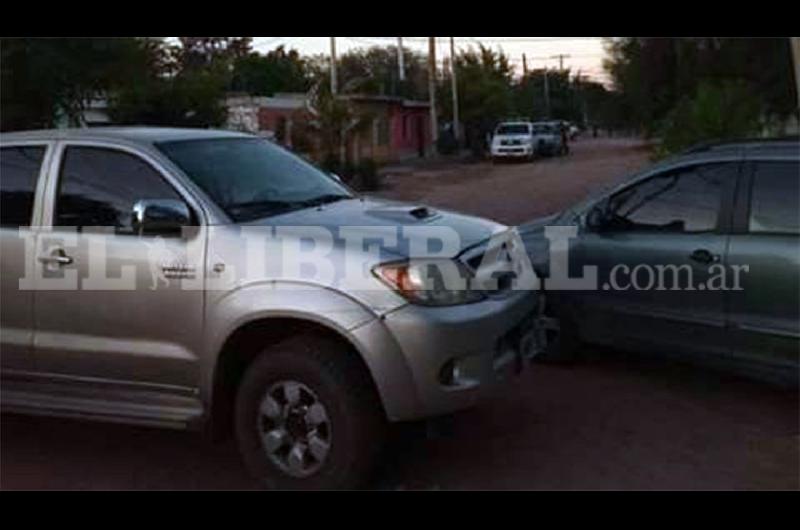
765	314
143	330
21	169
662	235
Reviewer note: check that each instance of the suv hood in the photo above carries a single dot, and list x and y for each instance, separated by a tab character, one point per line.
368	212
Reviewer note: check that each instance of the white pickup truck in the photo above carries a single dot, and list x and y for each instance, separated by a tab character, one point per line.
513	140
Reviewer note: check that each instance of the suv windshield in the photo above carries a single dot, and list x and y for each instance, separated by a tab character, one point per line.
542	129
251	178
513	129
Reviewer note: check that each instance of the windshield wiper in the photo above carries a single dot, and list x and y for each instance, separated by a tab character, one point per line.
246	211
324	199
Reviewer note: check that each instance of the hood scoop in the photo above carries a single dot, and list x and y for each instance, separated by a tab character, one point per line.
404	214
421	212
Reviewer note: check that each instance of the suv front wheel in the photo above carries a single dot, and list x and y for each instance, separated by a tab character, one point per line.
307	417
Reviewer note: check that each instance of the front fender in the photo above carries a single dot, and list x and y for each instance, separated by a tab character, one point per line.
346	316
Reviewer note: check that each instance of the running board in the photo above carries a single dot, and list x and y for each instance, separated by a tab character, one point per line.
157	409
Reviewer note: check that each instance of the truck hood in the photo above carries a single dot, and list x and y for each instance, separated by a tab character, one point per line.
394	217
536	244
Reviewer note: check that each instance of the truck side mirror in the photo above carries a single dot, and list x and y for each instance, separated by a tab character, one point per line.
165	217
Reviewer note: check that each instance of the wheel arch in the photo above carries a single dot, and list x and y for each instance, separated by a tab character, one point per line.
244	343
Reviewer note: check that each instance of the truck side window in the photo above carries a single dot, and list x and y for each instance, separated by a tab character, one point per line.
775	203
19	172
99	186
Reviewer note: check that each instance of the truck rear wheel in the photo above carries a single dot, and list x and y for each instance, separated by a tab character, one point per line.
308	417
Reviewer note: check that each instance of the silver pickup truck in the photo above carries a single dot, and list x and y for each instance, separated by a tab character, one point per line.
162	277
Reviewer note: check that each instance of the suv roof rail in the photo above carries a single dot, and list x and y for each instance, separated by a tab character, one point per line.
737	143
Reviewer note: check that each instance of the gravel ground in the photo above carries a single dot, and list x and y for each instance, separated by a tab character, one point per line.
614	421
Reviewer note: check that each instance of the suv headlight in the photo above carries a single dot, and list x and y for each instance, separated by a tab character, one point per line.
433	282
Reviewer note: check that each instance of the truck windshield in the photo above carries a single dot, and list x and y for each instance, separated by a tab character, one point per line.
513	129
251	178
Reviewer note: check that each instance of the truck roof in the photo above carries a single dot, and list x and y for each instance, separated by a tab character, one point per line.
141	135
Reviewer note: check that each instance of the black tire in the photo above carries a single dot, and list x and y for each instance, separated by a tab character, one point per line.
357	420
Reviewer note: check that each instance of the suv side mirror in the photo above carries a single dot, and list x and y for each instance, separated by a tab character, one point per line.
597	218
160	217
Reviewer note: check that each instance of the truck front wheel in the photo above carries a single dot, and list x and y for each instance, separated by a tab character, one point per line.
308	417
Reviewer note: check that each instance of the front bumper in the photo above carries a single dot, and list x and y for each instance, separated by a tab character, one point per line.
512	151
478	339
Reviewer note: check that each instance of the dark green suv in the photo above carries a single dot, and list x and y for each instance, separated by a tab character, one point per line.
699	255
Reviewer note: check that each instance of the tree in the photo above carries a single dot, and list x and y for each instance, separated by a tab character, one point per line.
277	71
374	71
716	111
530	101
204	52
184	86
335	119
484	90
653	74
45	79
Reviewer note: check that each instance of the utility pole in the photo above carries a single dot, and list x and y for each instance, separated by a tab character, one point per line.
560	58
334	90
401	70
795	41
546	94
456	125
334	85
432	90
524	66
582	92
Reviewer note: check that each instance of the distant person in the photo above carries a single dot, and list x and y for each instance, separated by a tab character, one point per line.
565	138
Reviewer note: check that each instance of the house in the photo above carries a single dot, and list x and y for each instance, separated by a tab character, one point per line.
398	128
94	114
271	117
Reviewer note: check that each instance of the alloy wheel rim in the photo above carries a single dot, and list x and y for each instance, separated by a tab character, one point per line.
294	428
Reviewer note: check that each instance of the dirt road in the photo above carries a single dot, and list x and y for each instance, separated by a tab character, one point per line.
516	192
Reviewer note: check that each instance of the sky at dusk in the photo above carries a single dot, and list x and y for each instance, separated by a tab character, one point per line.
586	53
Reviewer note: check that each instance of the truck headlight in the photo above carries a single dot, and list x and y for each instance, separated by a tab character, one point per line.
434	282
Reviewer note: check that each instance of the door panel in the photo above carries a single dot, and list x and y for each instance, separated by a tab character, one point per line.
765	314
673	317
665	235
142	326
21	170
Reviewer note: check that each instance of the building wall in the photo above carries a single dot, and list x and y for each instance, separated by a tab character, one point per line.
394	134
410	128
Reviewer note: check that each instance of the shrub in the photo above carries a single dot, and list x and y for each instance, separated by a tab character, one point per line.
717	111
368	178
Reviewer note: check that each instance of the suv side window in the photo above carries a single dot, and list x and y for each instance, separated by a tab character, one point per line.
687	200
19	173
775	202
98	187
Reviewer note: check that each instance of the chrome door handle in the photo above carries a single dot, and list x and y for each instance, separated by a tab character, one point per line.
58	258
